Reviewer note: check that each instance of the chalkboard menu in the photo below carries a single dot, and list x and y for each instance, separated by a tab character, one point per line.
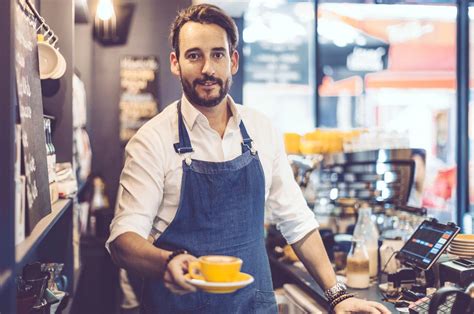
284	63
138	100
278	43
31	117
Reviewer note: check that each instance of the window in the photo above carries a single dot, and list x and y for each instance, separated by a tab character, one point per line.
279	63
393	68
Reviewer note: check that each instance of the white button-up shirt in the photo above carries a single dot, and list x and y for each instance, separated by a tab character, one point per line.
150	183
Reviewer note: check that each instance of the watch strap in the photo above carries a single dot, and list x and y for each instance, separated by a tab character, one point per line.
174	254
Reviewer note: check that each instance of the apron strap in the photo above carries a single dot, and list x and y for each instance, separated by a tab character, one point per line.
184	144
247	142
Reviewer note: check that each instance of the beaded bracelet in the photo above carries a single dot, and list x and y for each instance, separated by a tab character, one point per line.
340	299
340	294
174	254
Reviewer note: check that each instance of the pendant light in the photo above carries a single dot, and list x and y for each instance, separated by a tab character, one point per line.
105	21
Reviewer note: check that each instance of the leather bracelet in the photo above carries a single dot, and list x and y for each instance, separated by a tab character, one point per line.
174	254
340	299
337	295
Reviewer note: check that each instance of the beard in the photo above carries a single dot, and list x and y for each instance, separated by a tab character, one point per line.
190	90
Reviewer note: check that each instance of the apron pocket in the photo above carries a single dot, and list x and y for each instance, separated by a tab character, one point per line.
265	302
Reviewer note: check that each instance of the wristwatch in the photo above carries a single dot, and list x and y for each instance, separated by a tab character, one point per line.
335	291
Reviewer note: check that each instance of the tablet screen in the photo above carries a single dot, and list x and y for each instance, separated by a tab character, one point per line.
427	243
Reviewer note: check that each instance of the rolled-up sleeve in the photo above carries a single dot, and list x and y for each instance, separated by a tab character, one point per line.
141	188
286	204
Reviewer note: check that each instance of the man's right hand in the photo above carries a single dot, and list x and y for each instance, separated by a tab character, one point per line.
174	274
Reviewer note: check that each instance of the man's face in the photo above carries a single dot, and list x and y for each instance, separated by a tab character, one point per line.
205	64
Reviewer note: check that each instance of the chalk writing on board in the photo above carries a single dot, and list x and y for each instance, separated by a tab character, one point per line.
138	100
30	104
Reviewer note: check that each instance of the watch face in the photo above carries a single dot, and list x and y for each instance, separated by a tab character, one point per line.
339	287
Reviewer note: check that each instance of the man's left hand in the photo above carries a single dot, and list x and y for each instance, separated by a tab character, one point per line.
354	305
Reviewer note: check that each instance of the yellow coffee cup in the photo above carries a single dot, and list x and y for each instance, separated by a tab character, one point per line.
215	268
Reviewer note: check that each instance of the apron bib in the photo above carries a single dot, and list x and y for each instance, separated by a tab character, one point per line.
221	212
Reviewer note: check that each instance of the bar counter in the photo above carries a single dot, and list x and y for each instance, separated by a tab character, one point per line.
285	271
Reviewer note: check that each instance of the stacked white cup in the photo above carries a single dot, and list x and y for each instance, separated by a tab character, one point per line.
52	64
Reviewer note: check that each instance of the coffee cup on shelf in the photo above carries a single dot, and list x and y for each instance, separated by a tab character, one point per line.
61	69
215	268
52	64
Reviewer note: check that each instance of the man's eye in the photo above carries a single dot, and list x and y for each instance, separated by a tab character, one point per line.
193	56
218	55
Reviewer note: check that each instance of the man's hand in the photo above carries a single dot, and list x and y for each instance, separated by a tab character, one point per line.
354	305
174	274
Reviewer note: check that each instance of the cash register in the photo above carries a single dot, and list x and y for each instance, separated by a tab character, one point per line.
426	244
421	251
420	255
458	271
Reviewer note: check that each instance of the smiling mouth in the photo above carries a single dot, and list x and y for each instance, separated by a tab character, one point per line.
208	83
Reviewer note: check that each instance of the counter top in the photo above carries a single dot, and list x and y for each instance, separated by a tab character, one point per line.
306	282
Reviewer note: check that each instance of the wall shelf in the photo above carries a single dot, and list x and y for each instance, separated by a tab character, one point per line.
41	230
51	239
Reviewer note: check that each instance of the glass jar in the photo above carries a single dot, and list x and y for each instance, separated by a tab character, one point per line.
366	231
357	269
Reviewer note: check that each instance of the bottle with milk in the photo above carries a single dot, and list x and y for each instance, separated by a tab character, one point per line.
366	231
357	268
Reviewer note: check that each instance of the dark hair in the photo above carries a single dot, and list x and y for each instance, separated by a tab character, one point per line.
204	14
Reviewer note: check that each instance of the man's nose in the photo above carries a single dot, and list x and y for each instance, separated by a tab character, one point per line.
208	67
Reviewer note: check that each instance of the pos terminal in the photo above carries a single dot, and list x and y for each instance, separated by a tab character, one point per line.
427	244
421	251
418	256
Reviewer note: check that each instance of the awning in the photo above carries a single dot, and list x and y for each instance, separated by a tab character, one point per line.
428	79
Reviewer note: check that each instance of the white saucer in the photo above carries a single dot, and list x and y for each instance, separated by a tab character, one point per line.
456	250
462	245
221	287
462	255
464	239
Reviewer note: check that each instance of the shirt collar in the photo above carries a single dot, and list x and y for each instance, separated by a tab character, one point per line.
191	114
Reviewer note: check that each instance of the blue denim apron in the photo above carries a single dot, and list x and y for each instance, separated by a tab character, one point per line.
220	212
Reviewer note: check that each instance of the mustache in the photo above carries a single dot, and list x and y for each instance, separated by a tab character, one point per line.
206	79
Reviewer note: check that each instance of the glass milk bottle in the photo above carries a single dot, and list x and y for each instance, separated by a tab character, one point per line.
357	269
366	231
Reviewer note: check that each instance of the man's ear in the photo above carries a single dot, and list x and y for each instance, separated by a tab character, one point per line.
174	64
234	59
